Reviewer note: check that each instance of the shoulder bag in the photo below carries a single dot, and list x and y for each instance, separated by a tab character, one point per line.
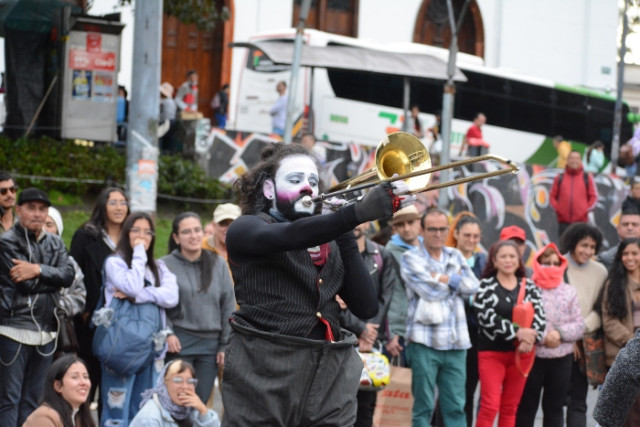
67	339
522	316
375	373
595	368
124	338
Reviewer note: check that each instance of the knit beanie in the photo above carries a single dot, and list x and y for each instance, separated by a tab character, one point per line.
57	218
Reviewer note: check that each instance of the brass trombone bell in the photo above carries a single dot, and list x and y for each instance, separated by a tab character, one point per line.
399	153
404	155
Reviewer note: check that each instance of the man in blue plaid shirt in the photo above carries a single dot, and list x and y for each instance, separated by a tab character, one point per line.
438	279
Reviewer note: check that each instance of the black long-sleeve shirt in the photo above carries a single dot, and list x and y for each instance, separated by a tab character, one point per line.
385	276
278	287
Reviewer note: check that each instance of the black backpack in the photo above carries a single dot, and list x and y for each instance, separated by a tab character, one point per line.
585	176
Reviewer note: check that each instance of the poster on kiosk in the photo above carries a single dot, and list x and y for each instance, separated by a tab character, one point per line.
90	87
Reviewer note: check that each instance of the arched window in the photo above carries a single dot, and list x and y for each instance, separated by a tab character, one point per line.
432	26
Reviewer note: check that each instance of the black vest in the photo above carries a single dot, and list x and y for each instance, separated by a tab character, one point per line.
285	292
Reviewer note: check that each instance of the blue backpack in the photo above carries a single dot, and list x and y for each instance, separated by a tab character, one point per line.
124	343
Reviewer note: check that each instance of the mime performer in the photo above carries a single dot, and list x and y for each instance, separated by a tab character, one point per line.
289	363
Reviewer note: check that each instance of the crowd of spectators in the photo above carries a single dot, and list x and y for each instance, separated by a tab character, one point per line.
445	308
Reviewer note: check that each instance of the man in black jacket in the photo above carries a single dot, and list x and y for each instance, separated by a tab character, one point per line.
34	266
371	332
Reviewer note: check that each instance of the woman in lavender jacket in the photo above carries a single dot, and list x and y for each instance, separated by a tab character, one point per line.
133	273
554	354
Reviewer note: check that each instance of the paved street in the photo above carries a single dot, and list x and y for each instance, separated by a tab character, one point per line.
591	401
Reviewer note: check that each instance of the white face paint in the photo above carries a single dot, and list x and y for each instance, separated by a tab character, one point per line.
296	177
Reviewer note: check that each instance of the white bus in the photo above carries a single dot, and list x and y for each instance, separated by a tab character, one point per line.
356	106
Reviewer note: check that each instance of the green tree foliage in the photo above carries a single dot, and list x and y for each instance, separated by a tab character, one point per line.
75	171
205	14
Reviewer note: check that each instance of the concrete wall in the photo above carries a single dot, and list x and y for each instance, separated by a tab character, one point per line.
569	41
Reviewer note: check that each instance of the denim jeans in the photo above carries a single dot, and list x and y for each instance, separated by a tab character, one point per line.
23	369
121	395
221	120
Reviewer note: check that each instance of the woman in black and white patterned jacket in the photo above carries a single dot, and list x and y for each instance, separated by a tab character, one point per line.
501	382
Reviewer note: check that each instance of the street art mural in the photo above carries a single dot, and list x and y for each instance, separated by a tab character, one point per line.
520	199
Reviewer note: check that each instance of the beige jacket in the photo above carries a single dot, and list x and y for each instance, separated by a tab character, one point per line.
44	416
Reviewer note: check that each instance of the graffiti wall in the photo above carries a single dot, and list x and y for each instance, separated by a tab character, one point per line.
520	199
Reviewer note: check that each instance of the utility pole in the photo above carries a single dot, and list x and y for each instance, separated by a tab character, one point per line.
447	101
295	69
142	137
617	115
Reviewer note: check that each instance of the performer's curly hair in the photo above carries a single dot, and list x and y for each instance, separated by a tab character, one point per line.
249	186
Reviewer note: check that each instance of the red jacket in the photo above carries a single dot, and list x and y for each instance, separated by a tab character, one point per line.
573	200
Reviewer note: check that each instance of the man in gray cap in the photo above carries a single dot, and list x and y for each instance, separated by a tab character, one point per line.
34	266
223	216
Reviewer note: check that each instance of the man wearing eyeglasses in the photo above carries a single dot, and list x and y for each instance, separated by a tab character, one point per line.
438	280
8	190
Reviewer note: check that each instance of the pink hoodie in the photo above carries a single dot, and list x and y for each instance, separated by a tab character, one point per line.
560	303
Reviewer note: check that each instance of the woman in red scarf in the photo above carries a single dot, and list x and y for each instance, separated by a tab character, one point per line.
554	354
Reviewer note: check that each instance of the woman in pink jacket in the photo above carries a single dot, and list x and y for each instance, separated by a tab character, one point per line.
554	354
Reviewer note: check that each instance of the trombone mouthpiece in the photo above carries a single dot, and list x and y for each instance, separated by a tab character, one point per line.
307	201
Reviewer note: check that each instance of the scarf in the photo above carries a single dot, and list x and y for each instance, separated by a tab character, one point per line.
177	412
548	276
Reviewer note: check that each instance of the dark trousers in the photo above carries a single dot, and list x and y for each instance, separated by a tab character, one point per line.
366	406
277	380
472	374
400	360
562	226
555	376
475	151
23	369
577	404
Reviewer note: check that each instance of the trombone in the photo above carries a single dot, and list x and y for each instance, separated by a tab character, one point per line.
404	155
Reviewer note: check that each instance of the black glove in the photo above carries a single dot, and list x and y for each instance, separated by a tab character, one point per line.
377	203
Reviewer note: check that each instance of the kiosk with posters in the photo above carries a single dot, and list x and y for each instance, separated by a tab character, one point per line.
90	86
